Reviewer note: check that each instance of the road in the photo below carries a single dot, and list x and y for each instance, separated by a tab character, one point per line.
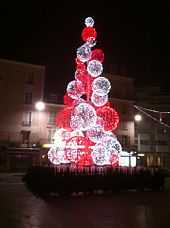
20	209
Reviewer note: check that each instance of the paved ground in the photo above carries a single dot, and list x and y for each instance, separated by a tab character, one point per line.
20	209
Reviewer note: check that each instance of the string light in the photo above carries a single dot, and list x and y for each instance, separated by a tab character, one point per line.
153	118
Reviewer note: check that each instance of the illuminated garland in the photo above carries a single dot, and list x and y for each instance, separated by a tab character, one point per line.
84	136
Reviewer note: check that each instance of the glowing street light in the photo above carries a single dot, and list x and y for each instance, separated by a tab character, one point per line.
40	106
138	117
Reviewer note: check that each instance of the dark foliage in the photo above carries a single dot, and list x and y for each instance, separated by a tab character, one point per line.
43	181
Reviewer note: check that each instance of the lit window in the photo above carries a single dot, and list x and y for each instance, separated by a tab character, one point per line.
52	116
26	119
51	133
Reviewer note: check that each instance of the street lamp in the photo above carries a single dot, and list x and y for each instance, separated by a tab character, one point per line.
138	117
40	106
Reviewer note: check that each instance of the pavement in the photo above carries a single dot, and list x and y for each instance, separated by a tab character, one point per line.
20	209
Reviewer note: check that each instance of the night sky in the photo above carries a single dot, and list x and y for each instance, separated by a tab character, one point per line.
134	37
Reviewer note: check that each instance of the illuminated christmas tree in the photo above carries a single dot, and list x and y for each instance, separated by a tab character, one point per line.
84	128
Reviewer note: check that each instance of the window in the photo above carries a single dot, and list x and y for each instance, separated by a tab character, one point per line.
26	119
30	78
52	116
25	137
125	140
28	98
145	142
123	125
51	133
161	143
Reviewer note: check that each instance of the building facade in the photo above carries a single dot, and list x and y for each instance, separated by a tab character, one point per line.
152	137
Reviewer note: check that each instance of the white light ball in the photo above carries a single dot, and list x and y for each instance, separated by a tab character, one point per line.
89	22
83	117
84	53
95	68
53	156
111	144
98	100
99	155
75	89
101	86
95	134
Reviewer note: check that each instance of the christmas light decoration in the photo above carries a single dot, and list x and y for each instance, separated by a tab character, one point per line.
84	134
88	33
98	55
98	100
75	89
84	53
95	134
99	155
101	86
63	118
53	156
83	117
89	22
109	116
94	68
77	148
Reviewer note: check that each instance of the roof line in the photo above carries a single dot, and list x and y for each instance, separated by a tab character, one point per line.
23	63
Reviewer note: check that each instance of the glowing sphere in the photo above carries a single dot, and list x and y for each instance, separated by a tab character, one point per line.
84	53
99	155
109	116
111	144
97	54
53	156
138	117
94	68
78	150
75	89
101	86
95	134
40	106
88	33
98	100
83	117
89	22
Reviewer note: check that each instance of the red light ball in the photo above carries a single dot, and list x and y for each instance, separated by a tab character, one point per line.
97	54
88	33
109	116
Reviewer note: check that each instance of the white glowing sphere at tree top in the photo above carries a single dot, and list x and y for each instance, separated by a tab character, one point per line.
84	134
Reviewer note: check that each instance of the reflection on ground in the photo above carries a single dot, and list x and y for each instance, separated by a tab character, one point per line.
20	209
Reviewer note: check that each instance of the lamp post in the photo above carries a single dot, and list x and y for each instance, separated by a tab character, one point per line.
39	105
138	117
